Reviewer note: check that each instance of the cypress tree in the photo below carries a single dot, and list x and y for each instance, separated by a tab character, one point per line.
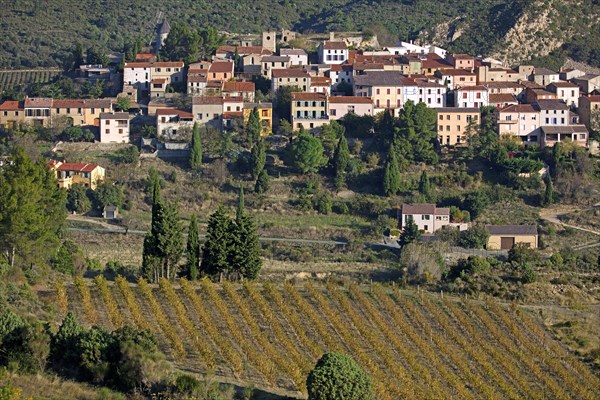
258	158
240	210
193	250
341	157
263	182
196	148
253	128
215	252
391	177
245	255
424	185
548	193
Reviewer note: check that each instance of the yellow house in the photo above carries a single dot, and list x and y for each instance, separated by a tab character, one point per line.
82	112
504	237
69	174
265	113
11	114
309	110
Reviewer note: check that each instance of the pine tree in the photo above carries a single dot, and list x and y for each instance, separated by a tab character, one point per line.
32	210
215	252
258	158
424	185
263	182
193	250
548	193
253	128
391	177
196	148
341	157
410	233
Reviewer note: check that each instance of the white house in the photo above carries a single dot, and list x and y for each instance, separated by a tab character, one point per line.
296	56
114	127
427	217
169	123
471	96
566	91
140	74
331	52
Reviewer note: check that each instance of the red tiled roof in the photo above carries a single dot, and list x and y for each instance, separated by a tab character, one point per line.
462	57
519	108
158	64
242	50
457	71
207	100
144	56
320	81
10	105
238	86
304	96
502	98
197	78
168	111
431	209
38	102
233	114
289	73
221	66
593	99
233	99
350	100
329	45
158	80
79	167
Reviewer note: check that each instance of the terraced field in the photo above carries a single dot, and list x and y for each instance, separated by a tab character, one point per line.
13	78
413	345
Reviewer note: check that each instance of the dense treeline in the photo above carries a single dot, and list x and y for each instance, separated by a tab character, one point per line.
42	34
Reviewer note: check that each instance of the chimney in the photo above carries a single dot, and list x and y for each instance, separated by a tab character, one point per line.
331	36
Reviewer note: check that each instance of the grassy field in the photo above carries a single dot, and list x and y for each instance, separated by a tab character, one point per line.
413	345
12	78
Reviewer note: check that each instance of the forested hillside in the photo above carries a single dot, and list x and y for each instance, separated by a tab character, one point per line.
42	32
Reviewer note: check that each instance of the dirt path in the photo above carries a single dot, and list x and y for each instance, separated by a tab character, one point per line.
554	214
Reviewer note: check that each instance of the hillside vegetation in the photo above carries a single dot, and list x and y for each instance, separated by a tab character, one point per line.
42	33
411	344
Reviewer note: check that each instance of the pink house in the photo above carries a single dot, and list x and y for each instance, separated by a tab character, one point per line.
342	105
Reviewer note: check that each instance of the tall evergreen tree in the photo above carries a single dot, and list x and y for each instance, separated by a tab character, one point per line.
341	157
548	193
245	254
32	210
193	250
258	158
424	185
409	234
215	253
240	210
391	177
263	182
254	127
196	148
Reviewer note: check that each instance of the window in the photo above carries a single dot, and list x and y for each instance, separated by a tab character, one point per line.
121	131
333	111
478	95
582	136
441	117
389	91
458	128
398	91
441	128
448	117
425	217
377	91
464	95
458	117
448	128
107	131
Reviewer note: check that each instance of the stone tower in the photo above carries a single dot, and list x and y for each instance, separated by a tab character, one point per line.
269	41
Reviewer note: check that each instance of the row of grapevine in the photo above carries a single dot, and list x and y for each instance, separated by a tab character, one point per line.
255	357
384	385
496	353
116	318
474	352
86	298
544	353
544	379
418	370
132	304
161	318
290	347
206	319
11	79
405	325
294	320
201	345
280	361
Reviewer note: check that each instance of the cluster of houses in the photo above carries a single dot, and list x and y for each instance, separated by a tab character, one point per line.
430	219
535	105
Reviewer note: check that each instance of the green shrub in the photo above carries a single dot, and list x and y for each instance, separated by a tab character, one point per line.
338	377
187	384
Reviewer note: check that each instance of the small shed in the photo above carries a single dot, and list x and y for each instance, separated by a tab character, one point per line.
504	237
110	212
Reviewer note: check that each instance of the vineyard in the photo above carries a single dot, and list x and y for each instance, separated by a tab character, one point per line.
12	78
413	345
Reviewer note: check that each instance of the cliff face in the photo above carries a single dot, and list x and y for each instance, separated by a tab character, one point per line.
520	30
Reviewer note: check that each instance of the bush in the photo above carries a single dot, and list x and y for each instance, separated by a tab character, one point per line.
475	237
340	207
338	377
187	384
322	203
68	258
421	264
521	253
